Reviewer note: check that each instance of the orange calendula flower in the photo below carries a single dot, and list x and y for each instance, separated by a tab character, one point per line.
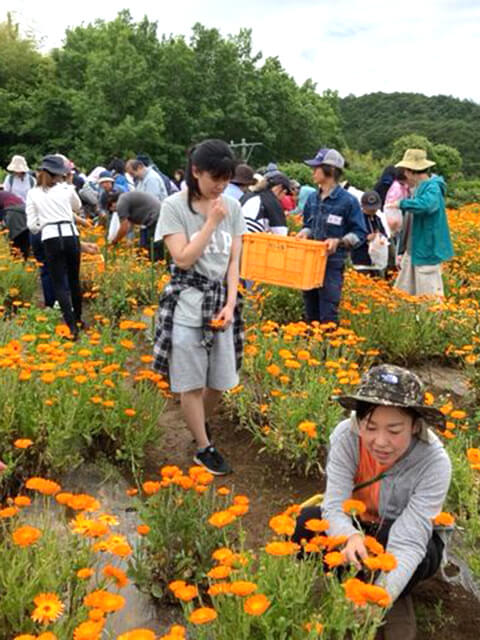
151	487
104	600
429	398
131	492
444	520
25	636
222	555
130	412
25	536
221	519
48	608
47	635
317	525
85	573
373	545
23	443
473	456
8	512
223	491
219	588
46	487
458	415
382	562
242	588
238	509
143	529
334	559
274	370
203	615
117	575
219	573
282	548
256	605
89	630
282	524
22	501
354	507
186	593
176	585
138	634
309	428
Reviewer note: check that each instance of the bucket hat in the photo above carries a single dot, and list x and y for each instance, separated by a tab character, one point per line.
416	160
54	165
105	176
18	164
393	386
327	156
244	175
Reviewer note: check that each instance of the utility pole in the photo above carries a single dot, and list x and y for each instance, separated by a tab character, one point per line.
246	148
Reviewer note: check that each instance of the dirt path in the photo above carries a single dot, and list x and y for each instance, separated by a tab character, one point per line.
444	612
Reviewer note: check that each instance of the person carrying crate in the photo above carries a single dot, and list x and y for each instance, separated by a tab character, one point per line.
332	215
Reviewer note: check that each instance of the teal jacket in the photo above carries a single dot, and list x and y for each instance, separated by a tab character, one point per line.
431	243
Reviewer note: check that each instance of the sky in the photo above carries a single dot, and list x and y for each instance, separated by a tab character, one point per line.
352	46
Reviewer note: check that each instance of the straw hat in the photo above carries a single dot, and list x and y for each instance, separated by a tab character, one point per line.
416	160
18	164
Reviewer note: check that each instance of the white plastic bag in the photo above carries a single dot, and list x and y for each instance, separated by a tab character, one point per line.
378	251
114	227
394	220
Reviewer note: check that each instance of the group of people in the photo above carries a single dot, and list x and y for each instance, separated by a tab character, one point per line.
386	453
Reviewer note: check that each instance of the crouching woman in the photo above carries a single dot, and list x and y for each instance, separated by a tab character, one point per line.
387	456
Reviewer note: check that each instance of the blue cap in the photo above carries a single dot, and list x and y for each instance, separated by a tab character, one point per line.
327	156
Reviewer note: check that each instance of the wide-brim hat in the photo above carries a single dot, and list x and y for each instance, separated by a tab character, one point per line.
415	160
105	176
244	175
53	164
18	164
392	386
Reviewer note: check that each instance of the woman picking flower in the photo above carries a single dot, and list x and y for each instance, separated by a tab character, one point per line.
199	338
387	458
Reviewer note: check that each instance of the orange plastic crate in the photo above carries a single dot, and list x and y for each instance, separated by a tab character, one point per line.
288	262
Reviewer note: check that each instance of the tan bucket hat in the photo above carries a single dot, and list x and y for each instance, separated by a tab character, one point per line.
18	164
416	160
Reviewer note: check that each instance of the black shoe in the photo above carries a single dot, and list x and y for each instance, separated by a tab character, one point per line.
212	461
208	432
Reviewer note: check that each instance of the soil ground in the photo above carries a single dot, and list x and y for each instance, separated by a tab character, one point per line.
444	611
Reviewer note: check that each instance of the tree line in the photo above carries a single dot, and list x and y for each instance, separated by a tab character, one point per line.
116	88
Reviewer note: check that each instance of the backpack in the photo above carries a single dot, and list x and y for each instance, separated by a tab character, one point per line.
31	179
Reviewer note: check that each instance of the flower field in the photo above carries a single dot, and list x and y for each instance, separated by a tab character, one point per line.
63	563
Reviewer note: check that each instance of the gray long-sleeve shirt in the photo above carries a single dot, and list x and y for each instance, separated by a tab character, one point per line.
411	494
152	183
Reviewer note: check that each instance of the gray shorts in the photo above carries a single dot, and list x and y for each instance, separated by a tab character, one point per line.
192	367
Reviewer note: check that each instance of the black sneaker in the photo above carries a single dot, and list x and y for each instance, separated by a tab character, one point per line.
211	459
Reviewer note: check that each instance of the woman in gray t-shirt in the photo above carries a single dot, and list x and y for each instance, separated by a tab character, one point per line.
202	230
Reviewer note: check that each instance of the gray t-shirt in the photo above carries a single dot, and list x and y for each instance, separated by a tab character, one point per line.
138	207
176	217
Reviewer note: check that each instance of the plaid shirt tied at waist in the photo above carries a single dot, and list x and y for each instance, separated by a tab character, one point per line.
214	298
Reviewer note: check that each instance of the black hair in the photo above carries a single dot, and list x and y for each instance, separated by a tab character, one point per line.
213	156
117	165
366	409
112	197
400	174
331	172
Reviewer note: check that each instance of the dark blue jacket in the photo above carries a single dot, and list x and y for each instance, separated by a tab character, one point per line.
360	255
338	216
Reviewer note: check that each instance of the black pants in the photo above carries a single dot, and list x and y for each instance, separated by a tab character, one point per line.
62	257
22	243
427	567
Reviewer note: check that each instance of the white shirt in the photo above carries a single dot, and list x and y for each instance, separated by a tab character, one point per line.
46	206
18	186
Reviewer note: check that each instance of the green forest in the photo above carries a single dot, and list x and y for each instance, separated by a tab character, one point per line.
117	88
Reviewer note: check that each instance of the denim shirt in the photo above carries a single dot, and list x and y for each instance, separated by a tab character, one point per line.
337	216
